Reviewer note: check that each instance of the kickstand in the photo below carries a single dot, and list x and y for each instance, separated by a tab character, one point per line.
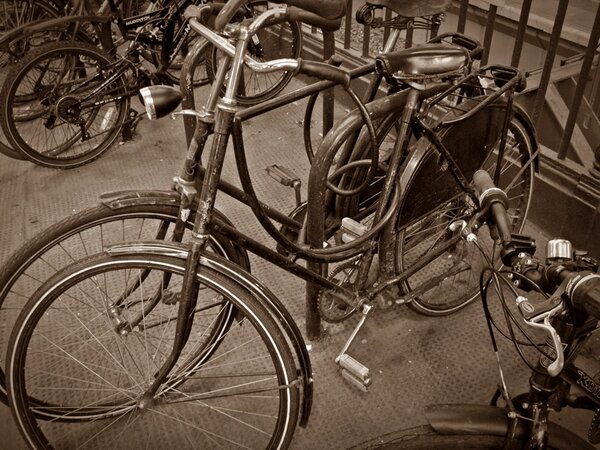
130	125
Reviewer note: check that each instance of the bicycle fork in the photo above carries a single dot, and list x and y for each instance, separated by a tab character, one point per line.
185	315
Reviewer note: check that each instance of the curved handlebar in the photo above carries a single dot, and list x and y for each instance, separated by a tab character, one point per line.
473	46
329	10
326	15
227	13
582	287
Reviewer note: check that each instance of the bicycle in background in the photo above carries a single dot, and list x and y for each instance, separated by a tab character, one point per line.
551	308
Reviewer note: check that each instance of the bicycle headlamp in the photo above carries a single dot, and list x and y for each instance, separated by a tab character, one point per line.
160	100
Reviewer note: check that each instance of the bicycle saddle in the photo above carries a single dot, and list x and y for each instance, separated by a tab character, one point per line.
427	60
414	8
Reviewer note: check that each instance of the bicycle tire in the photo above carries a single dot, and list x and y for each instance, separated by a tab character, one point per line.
78	236
277	41
171	73
426	438
11	17
200	394
422	228
56	129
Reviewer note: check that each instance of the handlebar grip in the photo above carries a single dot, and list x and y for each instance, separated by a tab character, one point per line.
315	20
494	199
324	71
584	290
227	13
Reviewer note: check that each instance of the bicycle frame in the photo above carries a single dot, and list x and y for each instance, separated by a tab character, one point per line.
223	119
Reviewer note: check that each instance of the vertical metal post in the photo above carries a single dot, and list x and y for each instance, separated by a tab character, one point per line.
489	32
559	20
462	16
386	30
410	32
586	67
516	56
595	93
328	95
348	25
366	39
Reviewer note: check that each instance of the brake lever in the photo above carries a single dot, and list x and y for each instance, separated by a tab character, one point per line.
539	316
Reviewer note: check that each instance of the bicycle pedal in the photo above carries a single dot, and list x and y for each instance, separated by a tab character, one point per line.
283	175
287	178
355	372
351	229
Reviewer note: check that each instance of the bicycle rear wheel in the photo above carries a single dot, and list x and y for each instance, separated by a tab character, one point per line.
14	13
432	200
283	40
88	232
60	108
66	349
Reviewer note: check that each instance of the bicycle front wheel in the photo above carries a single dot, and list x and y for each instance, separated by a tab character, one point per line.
282	40
88	341
431	202
78	236
61	108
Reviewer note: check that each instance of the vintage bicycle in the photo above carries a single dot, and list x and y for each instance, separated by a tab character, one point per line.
151	296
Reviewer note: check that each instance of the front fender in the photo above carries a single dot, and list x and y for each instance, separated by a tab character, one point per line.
491	420
123	199
250	283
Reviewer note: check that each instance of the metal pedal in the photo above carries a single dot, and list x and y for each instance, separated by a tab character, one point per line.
352	370
355	372
351	229
286	177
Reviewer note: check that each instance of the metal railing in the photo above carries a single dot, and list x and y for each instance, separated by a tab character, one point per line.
586	93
